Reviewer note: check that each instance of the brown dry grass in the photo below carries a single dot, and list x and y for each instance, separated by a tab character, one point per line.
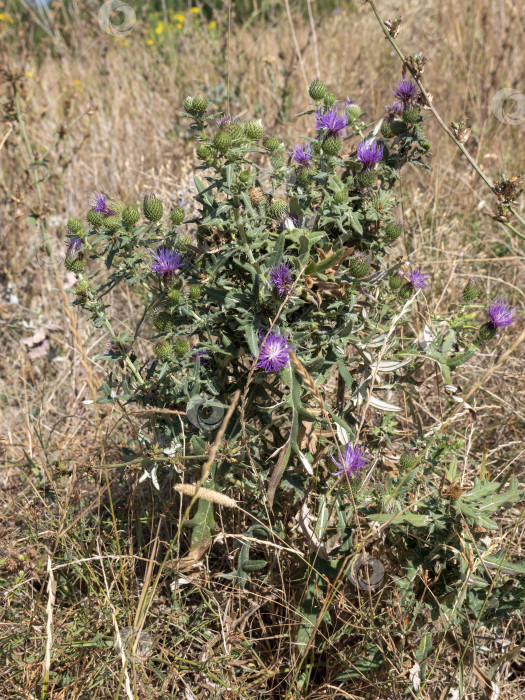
131	138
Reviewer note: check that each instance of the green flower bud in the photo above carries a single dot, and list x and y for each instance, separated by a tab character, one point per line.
222	141
75	265
245	176
113	223
271	143
74	224
302	176
174	297
358	266
405	292
254	129
329	99
354	112
332	145
163	322
366	178
177	216
117	207
183	243
195	291
164	350
317	90
470	292
393	230
425	145
486	333
407	461
203	152
386	129
278	209
181	347
152	207
277	161
340	197
82	288
196	106
396	282
130	216
398	127
94	218
411	115
237	130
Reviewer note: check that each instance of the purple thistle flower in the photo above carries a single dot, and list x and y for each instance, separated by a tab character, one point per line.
203	356
166	260
330	120
274	352
417	279
281	277
394	110
349	102
353	459
369	152
73	243
99	204
406	91
302	154
501	313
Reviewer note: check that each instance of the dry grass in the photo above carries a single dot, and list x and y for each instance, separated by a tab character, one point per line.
208	638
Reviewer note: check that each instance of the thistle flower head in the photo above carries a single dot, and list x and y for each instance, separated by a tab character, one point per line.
99	203
289	223
202	356
302	154
352	460
166	260
331	121
369	152
394	110
73	243
274	352
417	279
406	91
501	313
281	277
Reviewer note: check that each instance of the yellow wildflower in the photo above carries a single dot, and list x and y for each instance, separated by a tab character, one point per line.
179	18
149	42
212	24
179	26
29	74
159	28
5	17
195	10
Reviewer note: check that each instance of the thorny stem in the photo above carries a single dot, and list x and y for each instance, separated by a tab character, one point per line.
440	121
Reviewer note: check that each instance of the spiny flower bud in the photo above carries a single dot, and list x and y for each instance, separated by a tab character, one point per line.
271	143
302	176
395	282
332	145
117	207
244	176
82	288
354	112
366	178
256	195
486	333
329	99
317	90
183	243
181	347
222	141
94	218
393	230
405	292
398	127
277	161
195	291
163	322
164	350
152	207
411	115
407	460
174	296
340	197
236	129
358	266
75	265
130	216
203	152
196	106
470	291
386	129
254	129
74	224
177	216
278	209
113	223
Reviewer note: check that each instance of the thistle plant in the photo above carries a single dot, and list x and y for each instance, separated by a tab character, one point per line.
286	287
